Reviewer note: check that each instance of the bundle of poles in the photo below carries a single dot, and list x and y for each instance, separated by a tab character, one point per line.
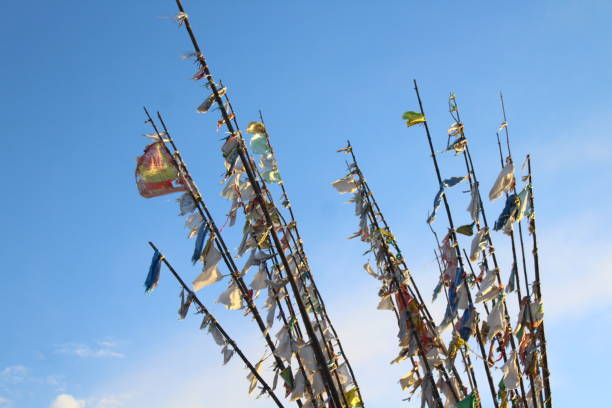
423	340
323	376
306	353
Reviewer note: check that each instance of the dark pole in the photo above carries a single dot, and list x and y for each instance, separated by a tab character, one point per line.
413	289
328	345
537	291
221	246
539	397
298	243
454	238
220	328
391	272
326	375
301	253
471	172
519	224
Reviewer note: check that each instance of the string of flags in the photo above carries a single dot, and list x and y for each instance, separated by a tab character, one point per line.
304	354
321	374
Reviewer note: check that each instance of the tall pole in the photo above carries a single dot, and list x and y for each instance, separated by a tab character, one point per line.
537	291
319	355
471	173
412	288
524	264
391	272
537	397
220	243
298	243
214	321
454	238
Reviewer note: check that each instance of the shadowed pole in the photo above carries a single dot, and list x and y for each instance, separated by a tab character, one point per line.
220	243
471	173
214	321
243	154
412	288
523	258
298	244
454	238
300	252
391	271
537	290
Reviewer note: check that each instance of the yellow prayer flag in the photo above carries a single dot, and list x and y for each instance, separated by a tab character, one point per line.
413	118
352	397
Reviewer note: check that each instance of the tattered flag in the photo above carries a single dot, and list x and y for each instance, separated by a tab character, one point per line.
154	272
199	244
436	205
208	102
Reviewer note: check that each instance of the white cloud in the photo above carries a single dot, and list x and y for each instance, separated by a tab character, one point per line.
103	349
4	402
67	401
13	374
576	259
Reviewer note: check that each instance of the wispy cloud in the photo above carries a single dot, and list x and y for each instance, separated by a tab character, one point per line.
102	349
13	374
70	401
576	268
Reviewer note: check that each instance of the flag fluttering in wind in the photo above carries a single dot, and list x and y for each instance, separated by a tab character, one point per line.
413	118
156	174
154	271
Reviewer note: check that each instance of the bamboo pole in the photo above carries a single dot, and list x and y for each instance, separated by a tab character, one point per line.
243	154
219	242
454	238
537	401
214	321
413	288
300	252
392	272
471	173
538	293
298	243
543	344
524	264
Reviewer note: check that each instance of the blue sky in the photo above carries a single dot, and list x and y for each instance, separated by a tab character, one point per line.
75	76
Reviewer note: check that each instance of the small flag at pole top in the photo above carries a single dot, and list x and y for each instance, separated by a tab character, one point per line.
413	118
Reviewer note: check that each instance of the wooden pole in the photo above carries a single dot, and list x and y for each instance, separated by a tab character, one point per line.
215	322
298	243
538	292
538	399
392	272
299	251
219	242
454	238
471	173
243	154
413	289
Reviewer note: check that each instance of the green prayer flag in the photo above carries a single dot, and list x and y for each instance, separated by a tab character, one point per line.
286	375
467	229
412	118
469	402
272	176
259	144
